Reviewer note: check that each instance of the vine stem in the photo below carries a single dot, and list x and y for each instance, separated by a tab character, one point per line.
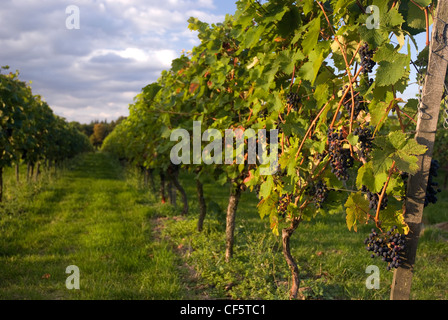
410	118
310	128
347	66
343	97
390	107
293	76
356	52
425	9
397	110
383	192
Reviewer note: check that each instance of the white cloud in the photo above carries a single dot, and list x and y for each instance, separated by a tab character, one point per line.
93	72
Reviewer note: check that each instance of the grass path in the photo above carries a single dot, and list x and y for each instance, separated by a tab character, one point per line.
93	219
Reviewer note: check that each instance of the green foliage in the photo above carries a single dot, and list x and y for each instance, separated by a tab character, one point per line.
240	75
29	130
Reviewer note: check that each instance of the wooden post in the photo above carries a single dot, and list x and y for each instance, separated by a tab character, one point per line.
425	135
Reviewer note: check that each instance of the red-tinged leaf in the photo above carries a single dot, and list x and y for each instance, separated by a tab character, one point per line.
194	87
249	177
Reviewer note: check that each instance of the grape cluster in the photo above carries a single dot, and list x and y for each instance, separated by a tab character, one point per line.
340	158
359	103
431	191
374	198
366	58
365	139
283	205
389	246
320	193
293	99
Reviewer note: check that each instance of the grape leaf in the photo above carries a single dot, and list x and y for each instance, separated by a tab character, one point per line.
266	187
357	208
310	40
398	147
390	217
267	205
310	68
389	73
373	180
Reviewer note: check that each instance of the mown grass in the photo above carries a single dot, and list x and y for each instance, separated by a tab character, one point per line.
91	217
128	245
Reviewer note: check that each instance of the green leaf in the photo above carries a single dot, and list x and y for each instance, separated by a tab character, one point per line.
373	180
353	139
423	3
266	187
392	65
268	205
398	147
415	17
374	37
357	208
307	6
389	73
310	69
393	216
393	18
321	94
312	34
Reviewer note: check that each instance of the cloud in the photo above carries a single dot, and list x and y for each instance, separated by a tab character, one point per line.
94	72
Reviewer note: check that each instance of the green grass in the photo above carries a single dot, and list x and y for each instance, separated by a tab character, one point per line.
127	245
331	259
93	218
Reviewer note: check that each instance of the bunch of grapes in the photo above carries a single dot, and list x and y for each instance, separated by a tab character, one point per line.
389	246
359	103
293	99
319	193
365	139
374	198
283	205
340	158
366	58
431	191
431	187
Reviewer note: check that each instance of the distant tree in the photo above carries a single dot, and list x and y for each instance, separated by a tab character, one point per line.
100	132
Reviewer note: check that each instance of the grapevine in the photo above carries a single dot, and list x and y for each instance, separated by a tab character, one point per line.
240	76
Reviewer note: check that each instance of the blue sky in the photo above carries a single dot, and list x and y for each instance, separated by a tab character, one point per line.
94	72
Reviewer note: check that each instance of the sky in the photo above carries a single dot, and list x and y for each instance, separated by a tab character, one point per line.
93	72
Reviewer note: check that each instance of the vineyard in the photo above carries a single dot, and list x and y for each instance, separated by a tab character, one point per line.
279	159
31	132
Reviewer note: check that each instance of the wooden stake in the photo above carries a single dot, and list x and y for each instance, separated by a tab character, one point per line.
426	130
